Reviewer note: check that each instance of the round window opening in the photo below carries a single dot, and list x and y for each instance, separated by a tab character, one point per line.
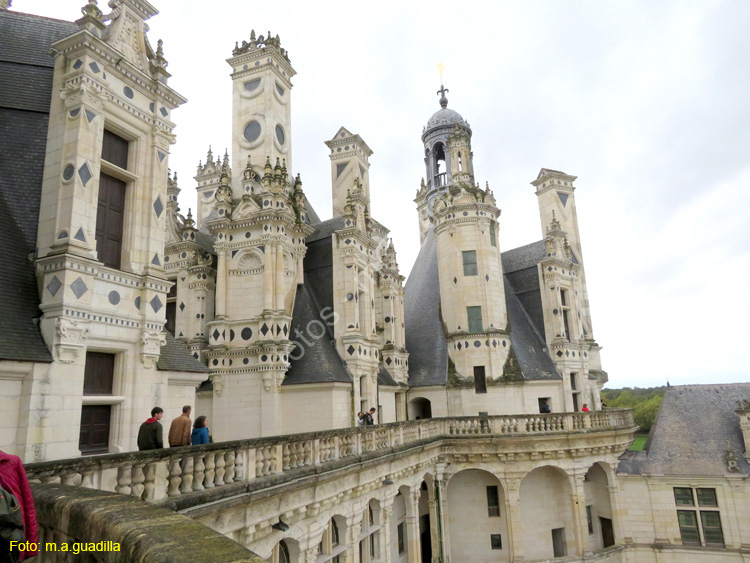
252	131
280	134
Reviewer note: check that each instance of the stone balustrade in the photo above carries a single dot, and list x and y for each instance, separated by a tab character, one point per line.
158	475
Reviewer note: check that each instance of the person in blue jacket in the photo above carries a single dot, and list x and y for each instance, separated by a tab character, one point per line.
200	431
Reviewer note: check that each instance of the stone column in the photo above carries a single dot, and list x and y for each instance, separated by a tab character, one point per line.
614	504
385	532
414	548
268	278
580	522
434	530
352	543
513	518
279	276
221	284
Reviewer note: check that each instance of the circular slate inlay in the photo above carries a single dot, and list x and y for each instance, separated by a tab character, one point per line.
128	91
247	333
246	361
252	131
69	171
114	297
477	344
349	296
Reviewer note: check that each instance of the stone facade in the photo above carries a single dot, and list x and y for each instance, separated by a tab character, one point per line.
273	322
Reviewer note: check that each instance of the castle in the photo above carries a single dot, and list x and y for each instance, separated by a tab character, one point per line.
272	322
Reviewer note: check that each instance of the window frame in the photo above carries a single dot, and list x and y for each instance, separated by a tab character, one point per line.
470	268
493	493
471	323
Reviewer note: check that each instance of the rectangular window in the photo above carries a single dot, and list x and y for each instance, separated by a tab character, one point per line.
493	501
683	496
401	538
496	541
171	309
563	298
98	374
474	316
707	497
589	519
470	262
480	380
115	149
110	215
493	235
711	523
110	212
688	527
567	325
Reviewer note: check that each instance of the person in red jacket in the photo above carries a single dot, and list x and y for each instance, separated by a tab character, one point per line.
13	479
585	408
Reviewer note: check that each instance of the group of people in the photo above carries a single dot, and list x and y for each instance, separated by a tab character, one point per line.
544	407
151	433
366	418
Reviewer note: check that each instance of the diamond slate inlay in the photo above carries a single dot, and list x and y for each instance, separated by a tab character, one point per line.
54	285
182	306
155	260
158	206
563	198
216	334
350	349
156	304
84	173
90	115
79	288
162	156
79	235
264	329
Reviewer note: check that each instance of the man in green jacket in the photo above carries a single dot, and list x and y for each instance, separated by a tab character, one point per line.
151	432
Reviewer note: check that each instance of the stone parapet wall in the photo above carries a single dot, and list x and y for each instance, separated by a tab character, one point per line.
142	532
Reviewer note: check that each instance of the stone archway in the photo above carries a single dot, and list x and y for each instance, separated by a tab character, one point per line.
547	515
419	408
476	519
599	519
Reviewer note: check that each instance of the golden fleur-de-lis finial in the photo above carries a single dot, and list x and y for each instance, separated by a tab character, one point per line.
441	68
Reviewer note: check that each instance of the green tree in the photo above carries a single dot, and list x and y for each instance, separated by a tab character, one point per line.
624	399
645	413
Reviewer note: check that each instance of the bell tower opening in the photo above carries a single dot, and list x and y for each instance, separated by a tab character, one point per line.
440	177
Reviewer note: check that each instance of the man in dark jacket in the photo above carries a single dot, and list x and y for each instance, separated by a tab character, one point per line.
150	433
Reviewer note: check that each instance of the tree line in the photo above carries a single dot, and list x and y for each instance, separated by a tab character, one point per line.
645	402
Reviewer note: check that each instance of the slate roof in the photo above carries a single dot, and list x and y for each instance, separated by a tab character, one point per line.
320	362
175	356
25	93
385	377
522	275
525	340
690	434
425	338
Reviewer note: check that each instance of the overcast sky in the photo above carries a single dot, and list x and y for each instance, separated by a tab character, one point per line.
646	102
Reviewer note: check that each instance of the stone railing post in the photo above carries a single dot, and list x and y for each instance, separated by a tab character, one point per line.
248	459
336	448
208	480
187	474
316	451
277	460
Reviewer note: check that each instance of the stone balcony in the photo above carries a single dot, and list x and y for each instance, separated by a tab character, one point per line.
306	476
